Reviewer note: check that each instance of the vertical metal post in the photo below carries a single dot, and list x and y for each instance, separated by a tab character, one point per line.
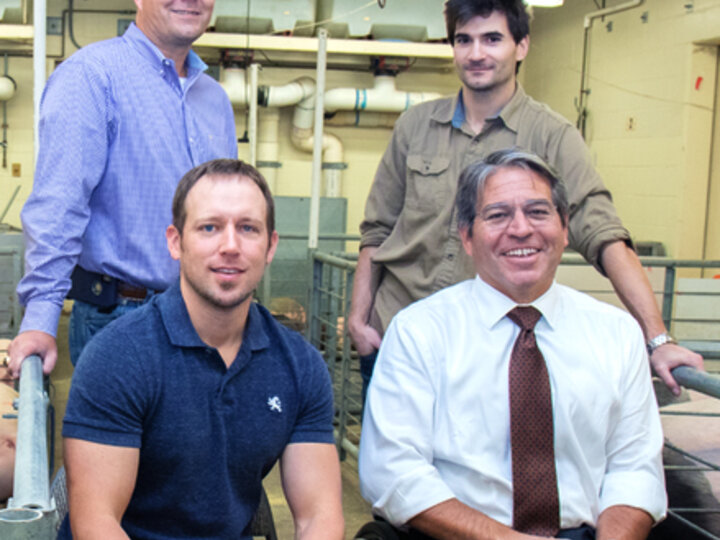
332	321
253	112
17	266
317	140
31	486
668	295
39	59
345	385
312	334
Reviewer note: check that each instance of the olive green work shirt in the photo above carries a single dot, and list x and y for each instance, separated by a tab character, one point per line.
410	212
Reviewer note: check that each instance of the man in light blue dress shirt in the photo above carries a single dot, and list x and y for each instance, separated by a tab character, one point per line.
436	451
121	121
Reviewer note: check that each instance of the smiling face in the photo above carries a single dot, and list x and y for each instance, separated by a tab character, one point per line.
225	244
486	54
173	25
517	238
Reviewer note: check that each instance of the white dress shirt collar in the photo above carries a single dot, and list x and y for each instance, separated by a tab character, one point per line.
492	305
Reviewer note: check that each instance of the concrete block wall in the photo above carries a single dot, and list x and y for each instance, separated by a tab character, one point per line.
652	81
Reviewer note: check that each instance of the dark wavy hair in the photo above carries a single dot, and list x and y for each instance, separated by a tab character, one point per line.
461	11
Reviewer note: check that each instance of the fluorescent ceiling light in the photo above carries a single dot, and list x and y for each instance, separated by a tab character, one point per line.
544	3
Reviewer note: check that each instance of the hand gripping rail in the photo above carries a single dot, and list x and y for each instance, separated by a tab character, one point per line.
30	513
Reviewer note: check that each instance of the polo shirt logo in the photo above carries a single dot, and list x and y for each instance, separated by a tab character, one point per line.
274	404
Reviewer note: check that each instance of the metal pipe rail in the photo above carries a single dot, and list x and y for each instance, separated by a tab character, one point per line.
693	379
31	511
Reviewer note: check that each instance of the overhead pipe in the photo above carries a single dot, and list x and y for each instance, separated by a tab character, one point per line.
235	85
362	119
303	138
253	112
39	71
267	145
332	160
383	97
587	24
291	93
374	103
313	229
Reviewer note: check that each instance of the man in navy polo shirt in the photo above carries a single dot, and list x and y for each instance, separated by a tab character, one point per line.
179	409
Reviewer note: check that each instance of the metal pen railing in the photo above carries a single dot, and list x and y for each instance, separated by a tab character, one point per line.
30	513
329	306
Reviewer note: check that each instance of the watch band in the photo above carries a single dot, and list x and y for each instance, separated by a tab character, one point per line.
659	341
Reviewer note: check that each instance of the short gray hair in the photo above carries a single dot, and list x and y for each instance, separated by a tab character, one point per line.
473	178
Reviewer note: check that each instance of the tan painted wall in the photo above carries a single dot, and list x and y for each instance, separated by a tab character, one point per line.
649	127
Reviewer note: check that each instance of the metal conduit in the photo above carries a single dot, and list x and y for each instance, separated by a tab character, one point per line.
697	380
30	514
31	487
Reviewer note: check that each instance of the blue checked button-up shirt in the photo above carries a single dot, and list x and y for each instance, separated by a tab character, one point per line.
117	132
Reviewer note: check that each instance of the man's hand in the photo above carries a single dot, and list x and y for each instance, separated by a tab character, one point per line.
631	284
669	356
28	343
365	337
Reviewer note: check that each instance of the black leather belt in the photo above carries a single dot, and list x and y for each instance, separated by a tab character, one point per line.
101	290
125	290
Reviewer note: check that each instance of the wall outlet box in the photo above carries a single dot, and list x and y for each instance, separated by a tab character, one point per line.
54	26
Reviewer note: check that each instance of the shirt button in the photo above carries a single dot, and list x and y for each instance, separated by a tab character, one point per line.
450	256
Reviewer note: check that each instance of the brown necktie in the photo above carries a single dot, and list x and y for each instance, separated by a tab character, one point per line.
535	498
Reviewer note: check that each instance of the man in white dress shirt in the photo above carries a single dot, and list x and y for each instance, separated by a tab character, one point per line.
436	452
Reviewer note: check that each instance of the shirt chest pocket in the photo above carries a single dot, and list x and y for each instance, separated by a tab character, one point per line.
428	182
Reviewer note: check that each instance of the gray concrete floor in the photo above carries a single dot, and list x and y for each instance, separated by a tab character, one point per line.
355	509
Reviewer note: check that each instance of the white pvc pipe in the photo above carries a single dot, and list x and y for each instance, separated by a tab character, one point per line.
39	59
253	113
7	88
313	228
267	147
383	97
235	86
303	139
362	119
304	113
292	93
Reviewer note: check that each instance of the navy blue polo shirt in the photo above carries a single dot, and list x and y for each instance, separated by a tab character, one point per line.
207	434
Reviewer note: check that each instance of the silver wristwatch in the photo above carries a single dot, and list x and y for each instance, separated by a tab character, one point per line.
658	341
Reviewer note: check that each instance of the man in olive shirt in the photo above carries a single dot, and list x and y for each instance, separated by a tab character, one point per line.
410	246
